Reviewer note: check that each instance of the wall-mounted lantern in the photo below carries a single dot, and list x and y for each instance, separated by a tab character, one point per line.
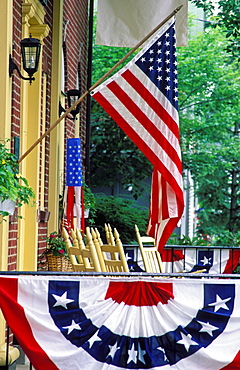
72	97
30	50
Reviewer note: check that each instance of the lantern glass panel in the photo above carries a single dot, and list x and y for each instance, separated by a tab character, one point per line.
30	54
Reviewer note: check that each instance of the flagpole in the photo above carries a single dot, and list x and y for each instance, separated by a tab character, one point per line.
65	114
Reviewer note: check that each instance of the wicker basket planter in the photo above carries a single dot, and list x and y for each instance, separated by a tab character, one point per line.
58	263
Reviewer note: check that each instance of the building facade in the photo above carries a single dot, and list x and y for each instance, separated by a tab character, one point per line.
29	110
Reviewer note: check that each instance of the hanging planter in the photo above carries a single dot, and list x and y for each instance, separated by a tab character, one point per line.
7	206
14	188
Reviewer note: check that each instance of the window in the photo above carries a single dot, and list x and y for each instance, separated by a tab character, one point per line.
43	2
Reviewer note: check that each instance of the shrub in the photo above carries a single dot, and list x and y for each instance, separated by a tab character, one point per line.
121	213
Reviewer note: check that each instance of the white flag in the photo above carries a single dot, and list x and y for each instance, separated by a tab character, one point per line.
127	22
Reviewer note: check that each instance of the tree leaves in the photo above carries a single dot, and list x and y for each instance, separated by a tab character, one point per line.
209	113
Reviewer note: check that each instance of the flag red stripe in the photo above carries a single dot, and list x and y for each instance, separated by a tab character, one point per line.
162	237
152	101
170	255
70	206
145	122
16	319
165	210
156	228
234	256
170	226
139	142
156	216
159	192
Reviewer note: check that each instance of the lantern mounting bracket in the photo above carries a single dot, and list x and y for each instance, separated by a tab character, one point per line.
13	66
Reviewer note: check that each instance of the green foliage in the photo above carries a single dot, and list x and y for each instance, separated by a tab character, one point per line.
114	158
209	115
227	17
185	240
89	203
89	197
12	184
222	238
226	238
122	214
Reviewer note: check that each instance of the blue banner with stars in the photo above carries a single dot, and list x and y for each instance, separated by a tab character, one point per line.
74	162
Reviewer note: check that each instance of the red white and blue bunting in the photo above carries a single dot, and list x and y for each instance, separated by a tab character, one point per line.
96	323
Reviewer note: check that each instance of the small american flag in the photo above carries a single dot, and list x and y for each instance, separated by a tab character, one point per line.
143	100
74	182
74	162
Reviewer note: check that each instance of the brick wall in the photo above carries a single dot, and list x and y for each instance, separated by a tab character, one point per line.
75	59
75	49
15	123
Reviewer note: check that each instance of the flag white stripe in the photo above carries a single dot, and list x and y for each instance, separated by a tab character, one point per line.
172	201
138	73
143	133
152	116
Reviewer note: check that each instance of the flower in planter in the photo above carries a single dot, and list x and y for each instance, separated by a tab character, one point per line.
13	185
56	245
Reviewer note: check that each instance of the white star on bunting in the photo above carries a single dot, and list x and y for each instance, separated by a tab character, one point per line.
132	354
207	327
62	300
73	326
220	303
113	350
141	354
187	341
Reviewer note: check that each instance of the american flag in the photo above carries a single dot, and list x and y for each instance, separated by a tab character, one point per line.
74	162
73	181
143	100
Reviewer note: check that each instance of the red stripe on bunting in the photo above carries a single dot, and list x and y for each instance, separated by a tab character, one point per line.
140	293
234	365
15	316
